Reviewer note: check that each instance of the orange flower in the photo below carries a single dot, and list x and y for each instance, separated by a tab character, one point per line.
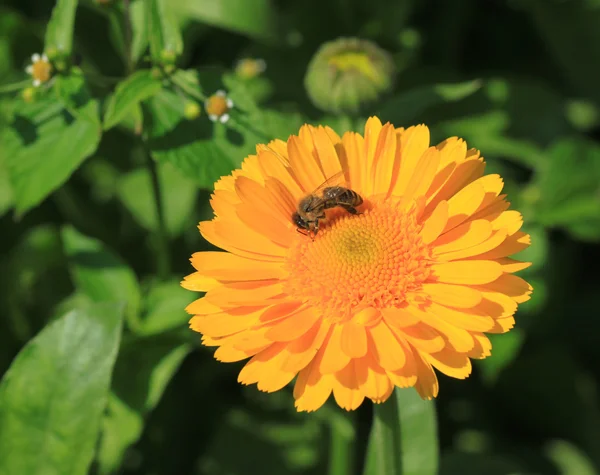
377	299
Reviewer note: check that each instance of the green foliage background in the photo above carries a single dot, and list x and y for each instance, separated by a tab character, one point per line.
102	375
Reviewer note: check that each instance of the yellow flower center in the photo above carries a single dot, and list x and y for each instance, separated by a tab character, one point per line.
370	260
216	105
41	70
357	61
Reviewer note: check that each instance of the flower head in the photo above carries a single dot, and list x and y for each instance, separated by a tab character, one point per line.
40	69
249	68
348	74
376	299
218	106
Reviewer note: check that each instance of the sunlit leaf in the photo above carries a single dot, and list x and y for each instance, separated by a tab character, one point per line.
255	19
403	438
53	396
44	145
569	187
570	459
165	308
59	32
187	144
139	86
165	35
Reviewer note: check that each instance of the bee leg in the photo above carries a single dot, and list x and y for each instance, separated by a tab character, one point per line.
350	209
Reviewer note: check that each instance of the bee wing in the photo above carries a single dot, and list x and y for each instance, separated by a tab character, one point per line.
338	179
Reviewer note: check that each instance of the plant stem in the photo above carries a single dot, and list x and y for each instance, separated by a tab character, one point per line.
163	261
343	440
14	86
128	35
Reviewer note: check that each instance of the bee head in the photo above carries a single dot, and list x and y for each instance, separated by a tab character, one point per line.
299	221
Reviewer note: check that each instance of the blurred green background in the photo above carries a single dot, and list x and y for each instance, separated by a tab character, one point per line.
87	259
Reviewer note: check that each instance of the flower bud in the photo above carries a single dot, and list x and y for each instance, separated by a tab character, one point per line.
191	110
28	94
348	74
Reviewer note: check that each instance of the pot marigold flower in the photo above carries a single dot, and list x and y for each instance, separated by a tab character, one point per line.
376	299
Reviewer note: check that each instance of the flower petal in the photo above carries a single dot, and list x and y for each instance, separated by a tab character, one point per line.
464	236
227	266
346	386
452	295
383	160
307	170
413	143
388	352
294	326
435	223
467	272
334	358
354	340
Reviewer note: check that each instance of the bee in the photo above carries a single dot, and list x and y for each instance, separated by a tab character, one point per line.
329	195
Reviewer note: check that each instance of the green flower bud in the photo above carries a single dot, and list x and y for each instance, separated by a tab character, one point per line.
192	110
348	74
28	94
157	72
167	57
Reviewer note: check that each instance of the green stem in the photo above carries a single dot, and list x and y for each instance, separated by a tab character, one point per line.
343	441
187	88
128	35
163	261
15	86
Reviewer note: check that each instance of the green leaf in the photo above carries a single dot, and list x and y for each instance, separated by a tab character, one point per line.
165	34
568	186
203	150
139	29
138	87
134	394
44	145
342	455
59	32
569	458
72	92
100	274
255	19
53	396
6	193
187	144
403	438
504	350
488	132
179	195
407	106
165	308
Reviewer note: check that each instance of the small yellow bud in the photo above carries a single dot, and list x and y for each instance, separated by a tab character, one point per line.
192	110
249	68
28	94
167	57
